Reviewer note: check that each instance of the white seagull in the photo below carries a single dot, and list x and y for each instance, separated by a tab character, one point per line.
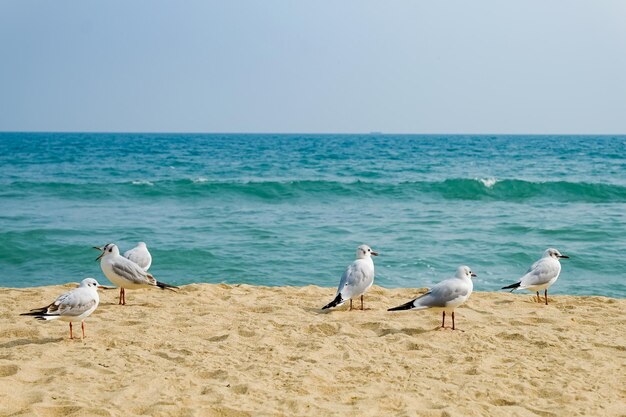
357	278
541	275
125	273
74	305
446	295
140	255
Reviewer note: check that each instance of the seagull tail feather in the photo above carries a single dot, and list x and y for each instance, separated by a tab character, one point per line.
33	314
512	287
163	286
36	312
337	301
405	306
40	315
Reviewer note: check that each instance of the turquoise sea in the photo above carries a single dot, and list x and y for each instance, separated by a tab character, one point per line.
291	209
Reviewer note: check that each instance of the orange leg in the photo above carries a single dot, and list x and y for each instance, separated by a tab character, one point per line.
82	326
546	295
361	302
443	323
71	335
350	304
538	298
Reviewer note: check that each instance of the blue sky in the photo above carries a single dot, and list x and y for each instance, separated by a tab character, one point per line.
314	66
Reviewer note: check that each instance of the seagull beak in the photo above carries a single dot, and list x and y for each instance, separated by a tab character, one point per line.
374	253
101	255
563	256
474	275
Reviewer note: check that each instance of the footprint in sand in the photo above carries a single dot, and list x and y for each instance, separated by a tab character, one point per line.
218	374
8	370
325	329
218	338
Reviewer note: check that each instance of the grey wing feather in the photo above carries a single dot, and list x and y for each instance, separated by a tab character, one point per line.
141	259
441	294
539	273
133	273
72	304
344	279
354	281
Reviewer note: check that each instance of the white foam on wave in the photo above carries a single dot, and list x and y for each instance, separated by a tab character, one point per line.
200	180
488	182
142	182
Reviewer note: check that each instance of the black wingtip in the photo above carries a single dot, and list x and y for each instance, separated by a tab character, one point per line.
333	303
36	312
406	306
36	315
163	286
512	286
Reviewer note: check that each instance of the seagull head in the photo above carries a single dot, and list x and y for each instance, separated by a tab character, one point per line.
554	253
464	272
141	244
107	249
90	283
365	251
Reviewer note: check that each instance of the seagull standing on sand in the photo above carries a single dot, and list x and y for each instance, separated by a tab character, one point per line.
125	273
541	275
357	278
74	305
140	255
446	295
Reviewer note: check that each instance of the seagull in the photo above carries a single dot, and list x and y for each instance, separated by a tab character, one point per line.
125	273
74	305
357	278
541	275
140	255
446	295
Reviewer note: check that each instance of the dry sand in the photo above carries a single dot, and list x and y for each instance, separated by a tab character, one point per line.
222	350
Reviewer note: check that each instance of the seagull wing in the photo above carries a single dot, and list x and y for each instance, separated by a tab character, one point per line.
133	272
541	272
140	257
355	280
73	303
443	294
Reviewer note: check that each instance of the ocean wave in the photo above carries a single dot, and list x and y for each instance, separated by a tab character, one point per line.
488	182
512	190
142	182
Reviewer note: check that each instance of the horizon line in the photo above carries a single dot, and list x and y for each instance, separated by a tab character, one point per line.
370	133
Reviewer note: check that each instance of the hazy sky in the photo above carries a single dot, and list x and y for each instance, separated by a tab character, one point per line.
314	66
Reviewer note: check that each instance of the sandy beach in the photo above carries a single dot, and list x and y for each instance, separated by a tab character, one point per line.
240	350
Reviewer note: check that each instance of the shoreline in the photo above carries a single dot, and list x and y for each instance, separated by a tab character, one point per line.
66	286
244	350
